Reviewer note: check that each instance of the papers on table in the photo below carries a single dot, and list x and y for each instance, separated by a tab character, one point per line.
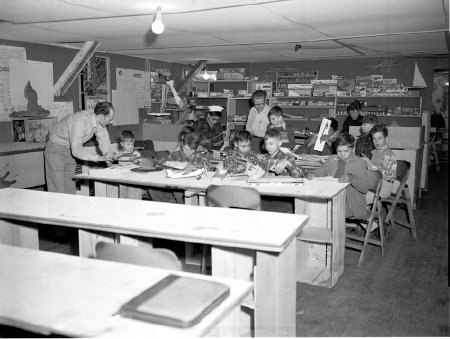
182	174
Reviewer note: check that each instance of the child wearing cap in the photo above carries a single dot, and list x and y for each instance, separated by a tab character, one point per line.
354	117
210	129
277	122
258	120
364	144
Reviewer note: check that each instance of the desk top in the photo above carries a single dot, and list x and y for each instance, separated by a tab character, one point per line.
264	231
313	189
56	293
20	147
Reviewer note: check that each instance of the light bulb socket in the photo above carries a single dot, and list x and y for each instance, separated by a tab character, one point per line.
157	25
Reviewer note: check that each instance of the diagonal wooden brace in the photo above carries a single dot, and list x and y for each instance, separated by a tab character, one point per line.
75	67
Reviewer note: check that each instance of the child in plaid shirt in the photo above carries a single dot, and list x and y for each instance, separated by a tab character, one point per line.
237	158
276	161
187	153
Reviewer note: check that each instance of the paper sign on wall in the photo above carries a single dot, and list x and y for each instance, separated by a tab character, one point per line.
40	76
135	81
324	128
126	107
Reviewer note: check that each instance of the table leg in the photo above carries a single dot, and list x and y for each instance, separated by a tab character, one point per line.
275	293
87	239
19	233
235	263
322	262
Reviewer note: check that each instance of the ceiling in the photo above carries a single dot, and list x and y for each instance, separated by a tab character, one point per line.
235	30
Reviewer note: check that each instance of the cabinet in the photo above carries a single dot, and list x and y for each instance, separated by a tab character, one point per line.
285	78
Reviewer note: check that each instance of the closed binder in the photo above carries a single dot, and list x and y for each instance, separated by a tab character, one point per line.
177	301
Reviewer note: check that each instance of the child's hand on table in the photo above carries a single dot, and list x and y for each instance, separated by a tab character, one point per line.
309	176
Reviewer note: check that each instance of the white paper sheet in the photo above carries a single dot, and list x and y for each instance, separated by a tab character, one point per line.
126	107
134	80
60	109
324	127
7	53
40	75
12	52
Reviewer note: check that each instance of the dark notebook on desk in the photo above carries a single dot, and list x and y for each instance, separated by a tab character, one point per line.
176	301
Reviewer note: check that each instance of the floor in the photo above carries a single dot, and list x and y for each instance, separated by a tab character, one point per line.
404	293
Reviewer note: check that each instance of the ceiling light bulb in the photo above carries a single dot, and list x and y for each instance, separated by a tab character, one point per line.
205	75
157	25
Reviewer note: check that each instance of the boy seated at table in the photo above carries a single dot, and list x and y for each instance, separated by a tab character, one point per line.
329	138
277	122
127	154
187	153
237	158
276	162
347	167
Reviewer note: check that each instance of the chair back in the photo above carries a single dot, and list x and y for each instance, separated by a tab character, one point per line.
138	255
374	178
403	168
233	197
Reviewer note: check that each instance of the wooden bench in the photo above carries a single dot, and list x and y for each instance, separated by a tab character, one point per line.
249	245
52	293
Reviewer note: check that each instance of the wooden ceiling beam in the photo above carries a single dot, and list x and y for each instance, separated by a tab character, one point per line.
197	67
75	67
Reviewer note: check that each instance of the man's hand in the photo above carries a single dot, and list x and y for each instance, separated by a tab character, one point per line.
107	157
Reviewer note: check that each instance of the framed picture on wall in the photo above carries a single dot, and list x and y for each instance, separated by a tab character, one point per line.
95	83
18	130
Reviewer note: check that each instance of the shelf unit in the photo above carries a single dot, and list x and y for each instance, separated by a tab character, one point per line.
401	106
206	88
305	112
284	78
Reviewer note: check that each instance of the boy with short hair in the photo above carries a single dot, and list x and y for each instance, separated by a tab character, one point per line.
383	160
364	144
187	153
127	154
276	161
237	158
258	121
277	122
347	167
354	116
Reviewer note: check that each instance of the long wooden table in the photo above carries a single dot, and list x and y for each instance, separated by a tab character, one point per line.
321	244
47	292
250	245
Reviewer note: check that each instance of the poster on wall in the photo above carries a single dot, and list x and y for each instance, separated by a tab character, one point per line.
131	80
126	107
7	53
40	77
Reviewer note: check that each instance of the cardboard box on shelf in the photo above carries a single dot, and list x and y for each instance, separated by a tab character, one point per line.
230	76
